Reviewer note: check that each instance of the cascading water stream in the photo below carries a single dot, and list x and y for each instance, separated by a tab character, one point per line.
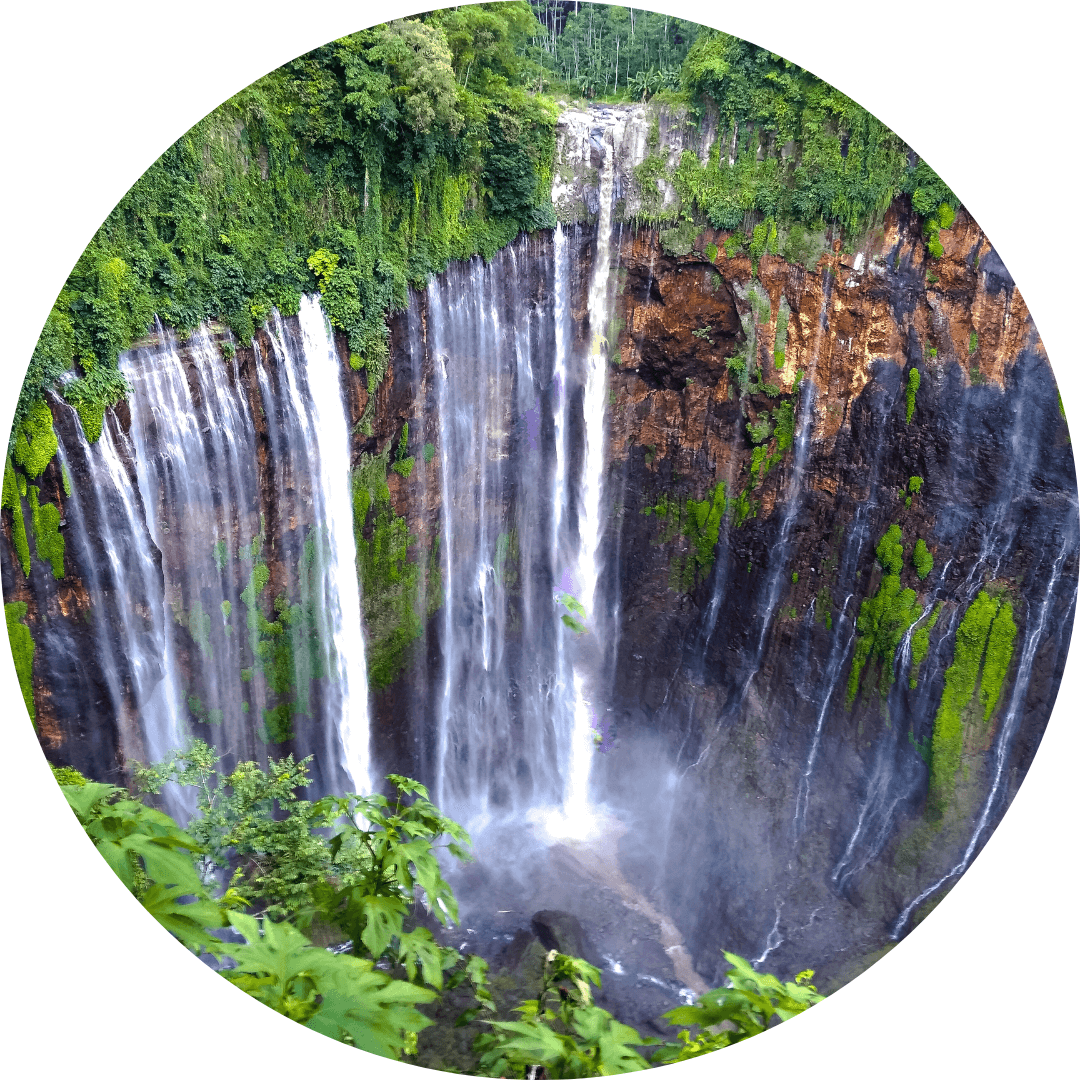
517	731
576	810
340	585
134	646
197	451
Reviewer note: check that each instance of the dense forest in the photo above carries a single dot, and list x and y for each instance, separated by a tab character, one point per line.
366	165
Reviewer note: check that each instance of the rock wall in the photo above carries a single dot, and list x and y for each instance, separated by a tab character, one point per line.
765	432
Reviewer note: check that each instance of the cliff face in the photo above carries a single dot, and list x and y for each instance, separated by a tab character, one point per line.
788	694
779	763
806	797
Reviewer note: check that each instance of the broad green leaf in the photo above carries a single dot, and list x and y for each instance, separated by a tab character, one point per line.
383	917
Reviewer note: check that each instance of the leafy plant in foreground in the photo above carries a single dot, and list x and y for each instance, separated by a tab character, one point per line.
730	1014
369	895
562	1030
342	996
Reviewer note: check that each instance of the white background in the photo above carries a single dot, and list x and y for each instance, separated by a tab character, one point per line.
92	93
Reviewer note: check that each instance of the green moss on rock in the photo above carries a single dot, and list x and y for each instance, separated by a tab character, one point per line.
883	618
22	650
921	559
11	501
961	679
391	581
914	379
698	521
999	653
920	645
35	441
45	518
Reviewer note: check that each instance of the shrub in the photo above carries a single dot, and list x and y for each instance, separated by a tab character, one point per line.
921	559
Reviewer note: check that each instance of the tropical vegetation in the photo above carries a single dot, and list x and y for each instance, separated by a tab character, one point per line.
358	868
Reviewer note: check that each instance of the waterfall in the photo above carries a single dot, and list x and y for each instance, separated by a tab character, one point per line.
575	817
522	441
495	389
245	485
131	634
339	584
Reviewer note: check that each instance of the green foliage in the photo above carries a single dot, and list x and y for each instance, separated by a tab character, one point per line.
930	197
339	996
743	508
291	649
12	501
343	997
823	607
890	550
562	1030
883	618
603	50
936	216
370	902
760	430
922	746
698	522
846	167
999	651
920	646
359	168
65	775
260	575
729	1015
972	638
35	441
575	614
785	426
915	484
136	841
429	453
22	650
973	343
403	465
45	518
394	586
913	381
100	386
221	555
921	559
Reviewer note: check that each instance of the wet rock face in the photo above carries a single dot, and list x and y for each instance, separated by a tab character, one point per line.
769	814
734	749
681	321
739	680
